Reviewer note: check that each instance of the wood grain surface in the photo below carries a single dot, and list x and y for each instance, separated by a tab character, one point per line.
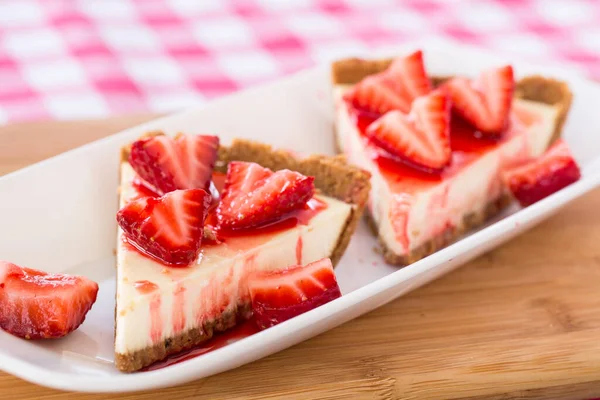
520	322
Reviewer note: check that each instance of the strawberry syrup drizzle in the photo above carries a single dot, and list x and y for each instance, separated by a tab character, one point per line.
289	221
178	312
145	287
299	250
239	332
467	144
156	323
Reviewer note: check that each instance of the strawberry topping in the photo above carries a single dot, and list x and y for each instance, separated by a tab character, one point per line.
485	102
410	72
280	295
253	196
393	89
421	138
38	305
539	178
166	164
167	228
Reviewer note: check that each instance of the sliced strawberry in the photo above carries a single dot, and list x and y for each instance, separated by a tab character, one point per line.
254	196
485	102
38	305
377	94
410	72
168	228
421	138
393	89
543	176
280	295
167	164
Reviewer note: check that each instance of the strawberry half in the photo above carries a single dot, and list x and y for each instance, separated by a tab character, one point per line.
38	305
167	228
485	102
167	164
253	196
280	295
393	89
421	138
539	178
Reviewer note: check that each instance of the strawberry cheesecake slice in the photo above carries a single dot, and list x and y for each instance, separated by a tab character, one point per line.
197	219
437	147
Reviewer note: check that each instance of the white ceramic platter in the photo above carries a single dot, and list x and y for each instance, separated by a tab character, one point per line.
59	216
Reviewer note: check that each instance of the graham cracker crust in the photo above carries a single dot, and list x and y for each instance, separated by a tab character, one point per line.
534	88
137	360
334	177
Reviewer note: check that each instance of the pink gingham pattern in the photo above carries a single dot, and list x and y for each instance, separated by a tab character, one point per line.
63	59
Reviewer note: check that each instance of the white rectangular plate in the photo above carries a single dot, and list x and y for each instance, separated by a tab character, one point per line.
59	216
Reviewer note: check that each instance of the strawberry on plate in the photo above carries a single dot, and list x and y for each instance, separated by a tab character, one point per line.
421	138
543	176
393	89
183	162
253	195
167	228
485	103
280	295
38	305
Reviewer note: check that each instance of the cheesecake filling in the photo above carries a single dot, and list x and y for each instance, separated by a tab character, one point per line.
156	302
411	207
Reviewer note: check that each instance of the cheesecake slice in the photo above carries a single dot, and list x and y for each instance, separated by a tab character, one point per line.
164	309
417	209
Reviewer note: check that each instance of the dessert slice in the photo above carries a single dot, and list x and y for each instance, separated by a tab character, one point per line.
423	196
269	210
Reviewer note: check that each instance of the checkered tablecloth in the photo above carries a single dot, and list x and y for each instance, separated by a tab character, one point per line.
64	59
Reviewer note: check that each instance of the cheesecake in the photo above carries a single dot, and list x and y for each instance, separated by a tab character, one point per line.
436	147
166	304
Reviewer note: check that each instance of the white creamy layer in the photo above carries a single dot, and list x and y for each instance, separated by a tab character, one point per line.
187	296
467	192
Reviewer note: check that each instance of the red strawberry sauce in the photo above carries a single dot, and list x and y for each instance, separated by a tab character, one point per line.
466	142
233	238
239	332
145	287
291	220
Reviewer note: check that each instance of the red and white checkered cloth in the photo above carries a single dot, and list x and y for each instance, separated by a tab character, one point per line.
93	58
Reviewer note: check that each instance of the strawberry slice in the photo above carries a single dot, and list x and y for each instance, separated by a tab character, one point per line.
167	228
38	305
393	89
253	196
485	102
280	295
543	176
410	72
421	138
377	94
167	164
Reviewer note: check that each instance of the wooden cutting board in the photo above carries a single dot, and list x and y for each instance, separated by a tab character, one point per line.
520	322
